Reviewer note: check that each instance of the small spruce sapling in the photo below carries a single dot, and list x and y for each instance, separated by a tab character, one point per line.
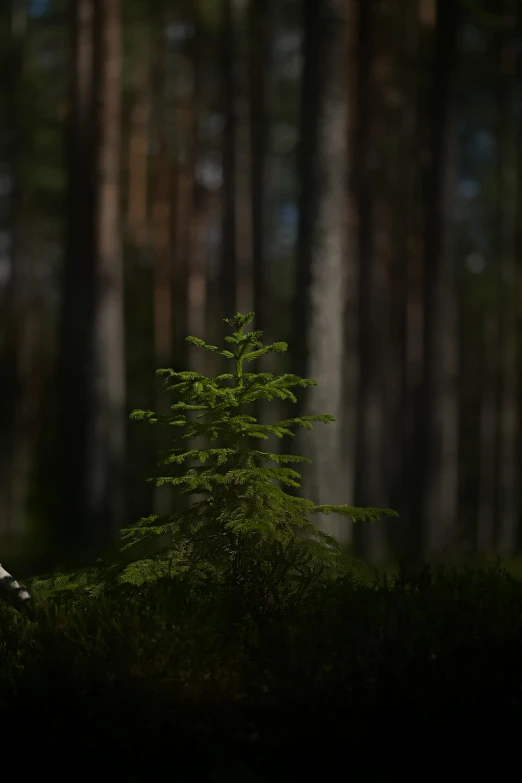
246	532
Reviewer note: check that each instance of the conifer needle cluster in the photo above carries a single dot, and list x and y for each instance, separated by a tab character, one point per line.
244	529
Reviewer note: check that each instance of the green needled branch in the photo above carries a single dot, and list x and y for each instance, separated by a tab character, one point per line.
247	533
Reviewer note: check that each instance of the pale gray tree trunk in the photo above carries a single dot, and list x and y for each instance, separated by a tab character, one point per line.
351	361
109	421
320	307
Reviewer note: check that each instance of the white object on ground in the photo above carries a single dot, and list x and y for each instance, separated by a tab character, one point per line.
8	582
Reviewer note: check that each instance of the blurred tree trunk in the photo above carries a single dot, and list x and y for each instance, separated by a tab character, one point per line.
261	13
261	24
236	241
243	170
106	471
186	118
92	370
509	451
518	291
438	424
138	163
30	378
161	244
351	359
12	314
229	261
197	272
415	439
196	206
318	348
24	342
78	291
409	243
489	432
373	329
211	85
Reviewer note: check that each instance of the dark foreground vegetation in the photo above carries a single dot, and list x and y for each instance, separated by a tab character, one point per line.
221	645
407	677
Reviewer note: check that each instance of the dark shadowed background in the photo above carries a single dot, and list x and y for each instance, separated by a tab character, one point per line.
349	169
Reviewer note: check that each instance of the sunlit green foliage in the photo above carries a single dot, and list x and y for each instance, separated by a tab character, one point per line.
244	532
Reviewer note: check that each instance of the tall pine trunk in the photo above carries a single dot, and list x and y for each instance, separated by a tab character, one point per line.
261	25
161	245
229	262
370	480
489	432
351	358
438	422
138	158
197	266
320	291
78	300
509	448
409	243
261	13
243	183
92	369
18	338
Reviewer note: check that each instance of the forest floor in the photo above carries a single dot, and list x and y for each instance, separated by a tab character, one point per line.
413	676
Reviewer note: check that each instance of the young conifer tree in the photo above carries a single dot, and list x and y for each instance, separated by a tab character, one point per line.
246	531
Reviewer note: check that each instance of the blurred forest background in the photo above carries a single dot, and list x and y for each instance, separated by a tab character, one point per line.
349	169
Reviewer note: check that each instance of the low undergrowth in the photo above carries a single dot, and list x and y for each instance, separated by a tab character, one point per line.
237	639
429	657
